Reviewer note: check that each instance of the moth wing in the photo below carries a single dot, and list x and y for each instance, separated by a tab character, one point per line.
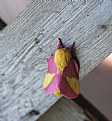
51	78
69	84
76	65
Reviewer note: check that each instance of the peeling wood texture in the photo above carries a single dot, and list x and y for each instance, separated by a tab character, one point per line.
29	40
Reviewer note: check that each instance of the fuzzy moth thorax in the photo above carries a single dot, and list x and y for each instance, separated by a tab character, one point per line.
62	57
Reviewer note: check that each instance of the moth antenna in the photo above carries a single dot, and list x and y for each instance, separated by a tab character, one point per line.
60	44
72	46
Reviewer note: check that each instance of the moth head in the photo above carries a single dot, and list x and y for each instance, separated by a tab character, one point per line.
62	55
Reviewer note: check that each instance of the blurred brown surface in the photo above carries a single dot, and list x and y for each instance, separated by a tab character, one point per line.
66	110
96	87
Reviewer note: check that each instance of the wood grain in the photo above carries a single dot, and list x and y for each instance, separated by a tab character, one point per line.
67	110
29	40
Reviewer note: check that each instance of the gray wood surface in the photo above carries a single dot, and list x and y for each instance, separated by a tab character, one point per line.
29	40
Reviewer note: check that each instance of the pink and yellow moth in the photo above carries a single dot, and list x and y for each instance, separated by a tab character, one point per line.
62	75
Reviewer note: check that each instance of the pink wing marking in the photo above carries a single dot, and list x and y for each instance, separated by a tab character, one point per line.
71	70
51	65
64	87
55	81
76	65
53	85
66	90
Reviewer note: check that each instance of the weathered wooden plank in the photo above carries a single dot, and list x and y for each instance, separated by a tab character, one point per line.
67	110
28	41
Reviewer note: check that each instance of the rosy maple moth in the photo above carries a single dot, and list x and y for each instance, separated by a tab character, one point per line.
62	75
